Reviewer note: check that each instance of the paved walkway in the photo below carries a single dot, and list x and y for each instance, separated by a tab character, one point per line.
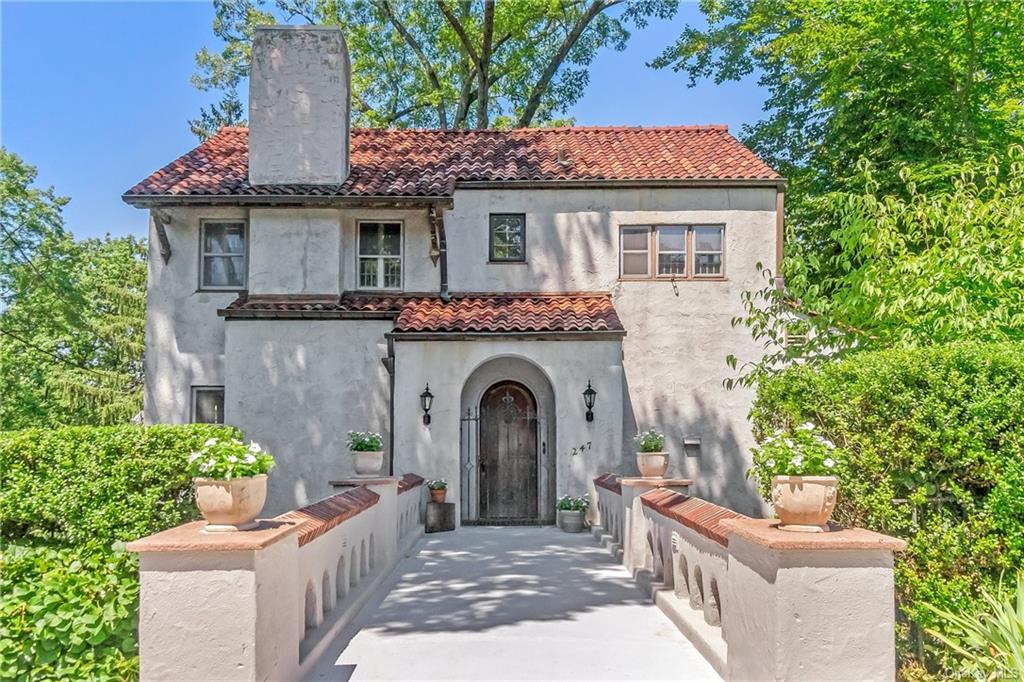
511	604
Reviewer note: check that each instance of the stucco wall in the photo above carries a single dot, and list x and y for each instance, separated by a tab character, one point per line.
679	333
297	387
184	336
433	451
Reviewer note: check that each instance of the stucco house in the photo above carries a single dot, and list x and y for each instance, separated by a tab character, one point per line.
308	279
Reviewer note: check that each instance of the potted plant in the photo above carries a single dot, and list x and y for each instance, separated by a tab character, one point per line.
571	511
801	465
651	458
230	480
438	489
367	448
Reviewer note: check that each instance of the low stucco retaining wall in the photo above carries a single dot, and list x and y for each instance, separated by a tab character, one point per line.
758	602
260	604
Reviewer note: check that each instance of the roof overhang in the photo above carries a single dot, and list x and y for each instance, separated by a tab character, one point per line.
594	335
304	200
649	183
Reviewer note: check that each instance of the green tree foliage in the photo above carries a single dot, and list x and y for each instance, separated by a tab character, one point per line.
69	499
896	82
920	267
932	451
72	319
444	64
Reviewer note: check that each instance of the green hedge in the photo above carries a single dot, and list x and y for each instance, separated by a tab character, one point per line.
97	485
934	440
69	498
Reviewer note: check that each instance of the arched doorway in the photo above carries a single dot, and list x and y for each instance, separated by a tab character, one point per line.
509	452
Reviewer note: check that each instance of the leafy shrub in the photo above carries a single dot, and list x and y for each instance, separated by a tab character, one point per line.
932	445
365	441
650	441
97	485
226	458
990	643
67	616
437	484
570	503
799	452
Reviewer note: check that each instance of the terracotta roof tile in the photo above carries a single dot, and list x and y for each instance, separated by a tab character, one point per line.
428	163
408	482
699	515
464	313
612	482
507	313
329	512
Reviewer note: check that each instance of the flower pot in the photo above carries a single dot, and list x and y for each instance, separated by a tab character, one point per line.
570	521
368	463
230	505
438	495
804	503
652	464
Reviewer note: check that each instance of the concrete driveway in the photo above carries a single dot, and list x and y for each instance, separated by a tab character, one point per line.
511	603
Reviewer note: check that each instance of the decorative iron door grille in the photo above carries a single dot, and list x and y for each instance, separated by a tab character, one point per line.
500	451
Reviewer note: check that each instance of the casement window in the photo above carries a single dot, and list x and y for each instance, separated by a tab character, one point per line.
671	252
207	404
380	255
222	254
508	238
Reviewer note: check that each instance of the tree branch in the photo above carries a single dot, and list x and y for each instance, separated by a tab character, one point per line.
542	84
417	49
482	99
460	31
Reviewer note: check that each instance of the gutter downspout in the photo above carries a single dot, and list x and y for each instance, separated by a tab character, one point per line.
389	364
437	218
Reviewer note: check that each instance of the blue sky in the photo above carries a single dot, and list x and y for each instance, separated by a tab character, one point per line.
97	95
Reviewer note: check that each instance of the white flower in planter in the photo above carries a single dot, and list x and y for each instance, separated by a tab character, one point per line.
249	459
807	426
797	461
194	456
232	459
829	462
770	463
209	442
255	447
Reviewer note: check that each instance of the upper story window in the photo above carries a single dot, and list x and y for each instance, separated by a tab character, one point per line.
380	255
508	238
671	251
207	404
222	254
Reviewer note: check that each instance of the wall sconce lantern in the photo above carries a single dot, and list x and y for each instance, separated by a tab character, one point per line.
426	401
588	400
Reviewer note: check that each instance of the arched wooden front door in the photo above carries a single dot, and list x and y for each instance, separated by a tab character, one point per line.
508	452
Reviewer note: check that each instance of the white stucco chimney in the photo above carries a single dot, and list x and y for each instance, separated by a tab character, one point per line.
298	106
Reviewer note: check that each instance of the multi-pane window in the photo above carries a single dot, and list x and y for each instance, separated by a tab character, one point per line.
707	251
380	255
208	404
636	251
222	258
671	251
508	237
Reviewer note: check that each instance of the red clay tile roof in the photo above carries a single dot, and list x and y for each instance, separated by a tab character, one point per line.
428	163
510	313
699	515
472	313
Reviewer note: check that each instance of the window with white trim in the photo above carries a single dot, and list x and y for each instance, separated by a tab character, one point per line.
222	254
671	251
380	255
207	404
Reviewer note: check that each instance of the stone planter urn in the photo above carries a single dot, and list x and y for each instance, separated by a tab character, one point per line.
570	521
652	464
438	494
230	505
804	503
368	463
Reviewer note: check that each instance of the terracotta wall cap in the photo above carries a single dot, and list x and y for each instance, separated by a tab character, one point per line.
640	482
355	482
190	537
766	533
